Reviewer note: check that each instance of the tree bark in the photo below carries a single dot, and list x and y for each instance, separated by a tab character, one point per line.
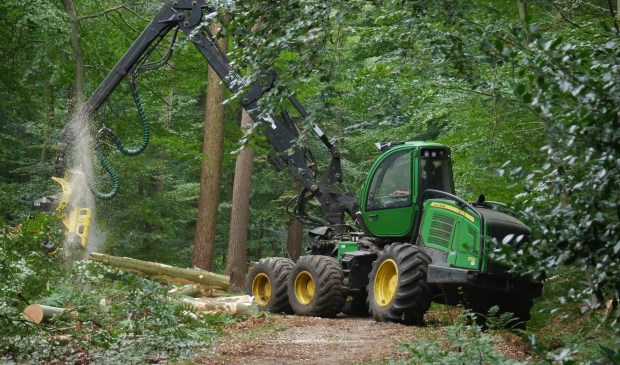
37	313
191	290
240	213
161	271
49	120
522	15
241	305
211	173
294	238
78	54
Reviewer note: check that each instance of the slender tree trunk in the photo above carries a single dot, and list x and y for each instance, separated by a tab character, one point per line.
294	238
211	173
49	120
74	32
238	238
522	16
169	100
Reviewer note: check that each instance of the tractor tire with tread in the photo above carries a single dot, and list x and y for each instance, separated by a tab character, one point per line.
397	288
315	286
266	282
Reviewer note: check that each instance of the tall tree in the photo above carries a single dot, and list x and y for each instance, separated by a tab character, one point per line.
211	169
49	119
523	18
238	238
78	54
294	238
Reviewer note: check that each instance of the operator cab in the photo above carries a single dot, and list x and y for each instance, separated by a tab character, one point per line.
401	174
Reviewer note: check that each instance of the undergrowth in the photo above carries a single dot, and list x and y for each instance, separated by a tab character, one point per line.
460	344
560	332
111	317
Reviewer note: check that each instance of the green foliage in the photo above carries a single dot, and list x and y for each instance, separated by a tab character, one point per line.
572	198
558	323
114	318
460	344
24	265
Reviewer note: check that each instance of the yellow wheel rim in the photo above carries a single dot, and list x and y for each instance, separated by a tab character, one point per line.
386	283
261	289
304	288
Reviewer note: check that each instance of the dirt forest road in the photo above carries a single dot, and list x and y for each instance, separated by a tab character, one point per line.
293	340
277	340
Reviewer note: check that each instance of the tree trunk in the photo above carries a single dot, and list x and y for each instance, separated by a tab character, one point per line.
240	212
74	32
241	305
37	313
49	120
191	290
169	111
294	238
161	271
211	173
522	15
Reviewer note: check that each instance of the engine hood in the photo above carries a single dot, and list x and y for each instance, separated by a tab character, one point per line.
505	228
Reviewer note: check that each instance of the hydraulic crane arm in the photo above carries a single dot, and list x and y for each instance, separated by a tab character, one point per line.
187	17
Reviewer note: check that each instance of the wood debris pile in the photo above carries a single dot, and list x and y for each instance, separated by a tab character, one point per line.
203	290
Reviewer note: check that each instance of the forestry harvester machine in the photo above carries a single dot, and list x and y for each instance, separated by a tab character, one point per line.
411	241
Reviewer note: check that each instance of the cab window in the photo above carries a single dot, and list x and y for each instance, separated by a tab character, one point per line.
390	186
435	174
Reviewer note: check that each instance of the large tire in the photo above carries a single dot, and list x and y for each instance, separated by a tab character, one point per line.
267	281
397	287
315	286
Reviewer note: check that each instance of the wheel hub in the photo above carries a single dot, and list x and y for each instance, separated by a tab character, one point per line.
261	289
386	283
304	287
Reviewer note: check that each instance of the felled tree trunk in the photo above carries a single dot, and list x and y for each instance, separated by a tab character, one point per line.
38	313
192	290
166	272
241	305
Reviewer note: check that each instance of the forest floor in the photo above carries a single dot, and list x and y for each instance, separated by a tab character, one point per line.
283	339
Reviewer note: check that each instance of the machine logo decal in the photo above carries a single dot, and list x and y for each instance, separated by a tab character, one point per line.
453	209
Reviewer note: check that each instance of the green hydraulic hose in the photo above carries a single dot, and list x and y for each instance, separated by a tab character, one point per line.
145	128
121	147
115	180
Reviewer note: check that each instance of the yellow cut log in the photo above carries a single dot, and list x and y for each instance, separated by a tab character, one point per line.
167	272
37	313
